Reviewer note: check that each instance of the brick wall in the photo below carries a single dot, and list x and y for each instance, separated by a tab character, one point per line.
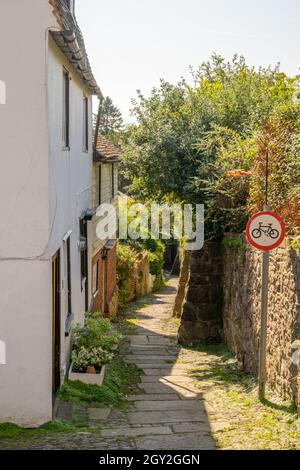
107	283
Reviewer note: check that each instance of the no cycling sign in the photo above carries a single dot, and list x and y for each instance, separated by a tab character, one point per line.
265	231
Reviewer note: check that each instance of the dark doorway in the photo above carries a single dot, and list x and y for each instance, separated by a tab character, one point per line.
56	322
172	261
84	260
69	288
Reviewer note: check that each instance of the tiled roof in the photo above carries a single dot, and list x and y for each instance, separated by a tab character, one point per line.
106	151
71	42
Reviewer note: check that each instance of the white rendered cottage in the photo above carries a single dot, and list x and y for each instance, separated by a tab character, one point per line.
46	191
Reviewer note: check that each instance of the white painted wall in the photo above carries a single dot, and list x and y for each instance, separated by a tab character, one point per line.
70	183
43	192
25	271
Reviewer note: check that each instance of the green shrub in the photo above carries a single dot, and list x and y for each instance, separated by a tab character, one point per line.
126	263
96	333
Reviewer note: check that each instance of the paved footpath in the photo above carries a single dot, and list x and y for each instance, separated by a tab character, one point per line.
169	411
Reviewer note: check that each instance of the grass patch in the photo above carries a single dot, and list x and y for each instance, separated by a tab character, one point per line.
120	380
233	396
8	430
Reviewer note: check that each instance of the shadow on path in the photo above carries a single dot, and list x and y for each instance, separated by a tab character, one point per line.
169	412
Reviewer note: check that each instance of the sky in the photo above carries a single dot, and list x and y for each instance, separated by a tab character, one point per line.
132	44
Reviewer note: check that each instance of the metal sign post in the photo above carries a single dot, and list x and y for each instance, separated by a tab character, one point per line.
262	367
265	231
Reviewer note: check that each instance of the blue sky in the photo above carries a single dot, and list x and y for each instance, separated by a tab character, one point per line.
134	43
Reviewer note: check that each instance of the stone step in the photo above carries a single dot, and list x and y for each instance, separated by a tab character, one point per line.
154	417
165	372
172	405
190	441
149	358
151	352
153	397
136	431
156	388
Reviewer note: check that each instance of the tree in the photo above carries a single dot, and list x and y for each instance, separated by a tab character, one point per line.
111	120
175	150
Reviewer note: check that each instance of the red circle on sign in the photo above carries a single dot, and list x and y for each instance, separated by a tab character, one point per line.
256	244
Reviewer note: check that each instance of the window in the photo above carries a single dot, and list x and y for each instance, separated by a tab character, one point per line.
96	278
99	185
85	124
66	110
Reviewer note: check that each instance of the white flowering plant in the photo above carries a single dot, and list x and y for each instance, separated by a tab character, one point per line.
85	357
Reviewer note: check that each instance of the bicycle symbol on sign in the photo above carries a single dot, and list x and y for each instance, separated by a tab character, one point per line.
268	230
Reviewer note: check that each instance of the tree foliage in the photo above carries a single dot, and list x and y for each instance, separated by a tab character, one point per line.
188	136
111	120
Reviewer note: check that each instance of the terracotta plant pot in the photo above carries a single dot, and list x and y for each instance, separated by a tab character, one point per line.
90	370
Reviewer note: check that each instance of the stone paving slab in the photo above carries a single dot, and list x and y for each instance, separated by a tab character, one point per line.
154	417
146	347
172	405
159	340
181	387
149	358
176	442
137	431
177	381
192	427
99	414
152	365
155	388
150	378
152	352
154	397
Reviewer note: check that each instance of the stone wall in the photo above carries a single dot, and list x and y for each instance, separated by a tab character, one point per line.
183	279
202	305
241	311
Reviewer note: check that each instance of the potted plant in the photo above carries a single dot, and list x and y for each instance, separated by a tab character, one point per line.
93	344
88	365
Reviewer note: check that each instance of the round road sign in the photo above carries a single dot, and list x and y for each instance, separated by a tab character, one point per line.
265	231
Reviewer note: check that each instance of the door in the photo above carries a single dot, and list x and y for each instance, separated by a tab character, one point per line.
67	272
104	287
56	322
84	261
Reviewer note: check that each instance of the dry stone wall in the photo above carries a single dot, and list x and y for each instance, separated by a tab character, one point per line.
241	311
202	304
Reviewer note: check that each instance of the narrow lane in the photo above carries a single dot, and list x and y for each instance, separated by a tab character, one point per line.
169	411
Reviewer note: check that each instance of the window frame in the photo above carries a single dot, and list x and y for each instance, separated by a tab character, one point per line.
96	279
